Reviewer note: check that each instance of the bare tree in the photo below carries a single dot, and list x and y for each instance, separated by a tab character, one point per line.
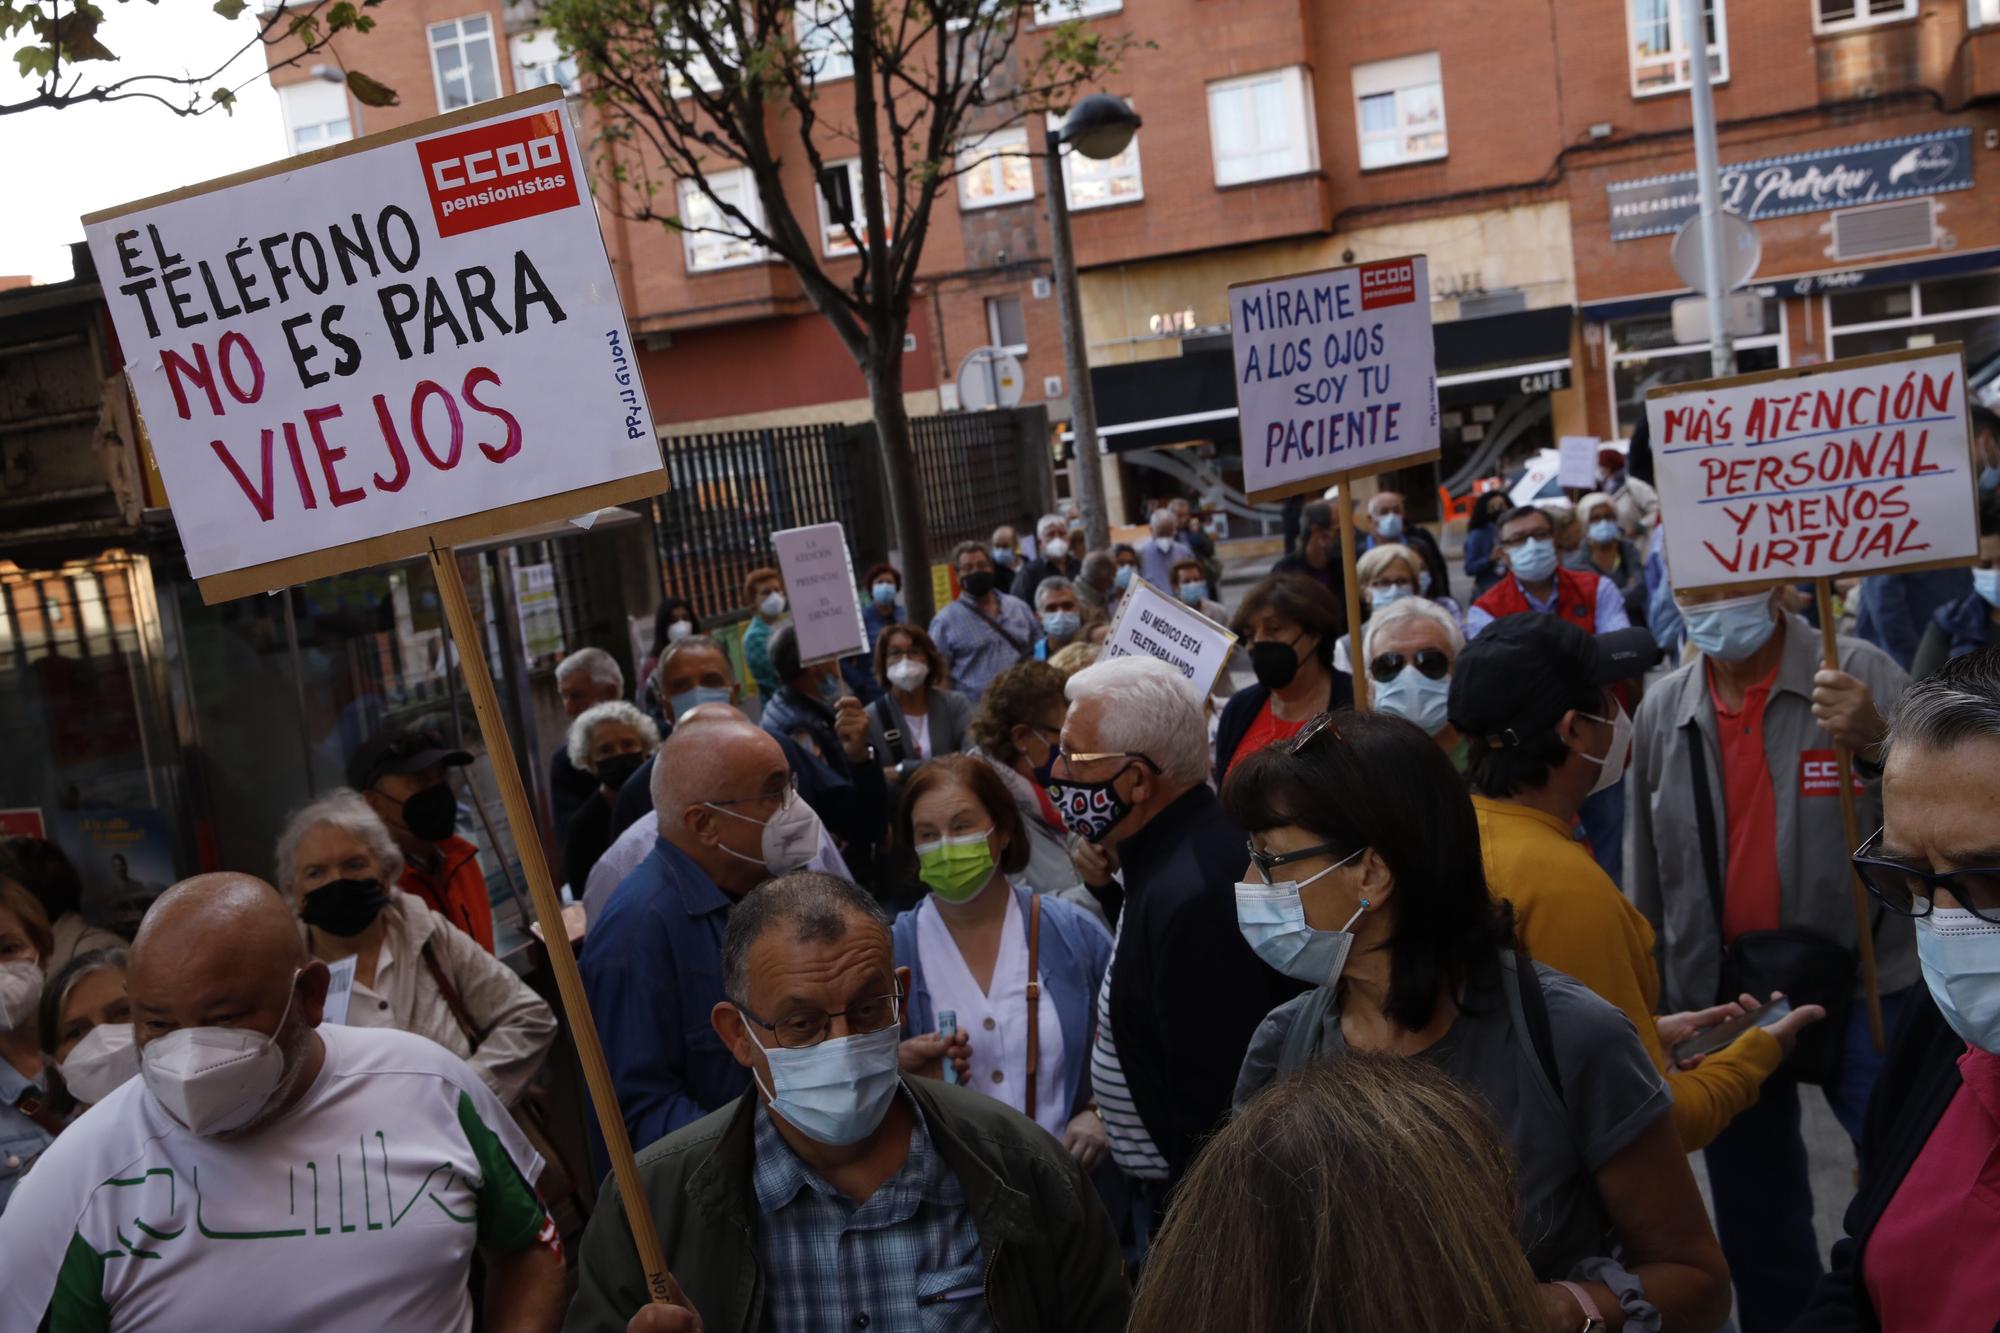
67	58
684	90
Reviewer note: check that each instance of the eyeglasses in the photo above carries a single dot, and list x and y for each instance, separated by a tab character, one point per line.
1520	539
810	1027
1266	862
1073	759
1431	661
784	793
1908	891
1310	732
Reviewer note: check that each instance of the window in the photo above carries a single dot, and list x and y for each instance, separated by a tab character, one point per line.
1399	110
1840	15
539	61
1062	11
462	60
1659	49
1982	13
710	238
1260	128
834	238
680	54
995	170
315	113
1911	314
1006	327
1095	183
826	39
1644	356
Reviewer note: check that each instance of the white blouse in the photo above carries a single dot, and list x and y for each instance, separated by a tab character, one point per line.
997	1021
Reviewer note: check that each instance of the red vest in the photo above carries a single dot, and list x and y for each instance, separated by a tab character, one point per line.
1576	599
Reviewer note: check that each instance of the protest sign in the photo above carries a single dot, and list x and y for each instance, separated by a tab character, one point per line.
539	611
339	989
819	583
944	585
1149	623
1335	374
344	356
1848	467
1576	467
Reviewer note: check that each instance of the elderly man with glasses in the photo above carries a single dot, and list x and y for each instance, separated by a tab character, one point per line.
841	1193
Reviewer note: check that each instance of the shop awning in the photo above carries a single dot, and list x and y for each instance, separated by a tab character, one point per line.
1179	400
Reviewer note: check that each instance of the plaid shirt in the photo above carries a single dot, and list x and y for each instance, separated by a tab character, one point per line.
832	1264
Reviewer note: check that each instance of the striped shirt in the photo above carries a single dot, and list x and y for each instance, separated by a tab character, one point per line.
1131	1145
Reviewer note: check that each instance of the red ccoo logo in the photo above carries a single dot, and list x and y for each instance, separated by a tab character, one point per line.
1391	283
498	173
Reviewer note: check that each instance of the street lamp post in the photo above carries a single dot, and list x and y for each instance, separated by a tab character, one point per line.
1099	127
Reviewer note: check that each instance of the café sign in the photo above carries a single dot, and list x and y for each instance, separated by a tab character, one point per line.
1809	182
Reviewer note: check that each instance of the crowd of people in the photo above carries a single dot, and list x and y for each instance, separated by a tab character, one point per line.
974	982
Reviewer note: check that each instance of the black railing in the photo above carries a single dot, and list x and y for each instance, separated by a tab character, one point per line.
969	466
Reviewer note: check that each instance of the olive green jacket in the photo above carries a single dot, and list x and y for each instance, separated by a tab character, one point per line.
1052	1259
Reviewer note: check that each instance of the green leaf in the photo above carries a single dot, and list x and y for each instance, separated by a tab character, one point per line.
35	61
231	9
225	99
368	92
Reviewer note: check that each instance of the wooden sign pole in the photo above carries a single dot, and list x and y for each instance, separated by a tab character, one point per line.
1352	586
1850	822
548	909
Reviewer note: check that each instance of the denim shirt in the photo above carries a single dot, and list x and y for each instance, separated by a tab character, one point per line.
21	1139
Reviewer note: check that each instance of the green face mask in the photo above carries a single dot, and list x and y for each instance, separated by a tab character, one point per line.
956	868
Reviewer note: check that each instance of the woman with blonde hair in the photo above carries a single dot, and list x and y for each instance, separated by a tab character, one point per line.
1365	1193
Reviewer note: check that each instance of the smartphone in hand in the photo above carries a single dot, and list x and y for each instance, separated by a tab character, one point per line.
948	1028
1712	1039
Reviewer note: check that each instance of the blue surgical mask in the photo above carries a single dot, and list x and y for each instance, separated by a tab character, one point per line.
838	1091
1194	594
1604	531
1986	582
1960	956
1061	624
678	706
1534	561
1003	556
1415	698
1272	918
1389	527
1989	479
884	593
831	690
1380	595
1732	629
1124	577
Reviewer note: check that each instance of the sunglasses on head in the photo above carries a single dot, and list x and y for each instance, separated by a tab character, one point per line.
1431	661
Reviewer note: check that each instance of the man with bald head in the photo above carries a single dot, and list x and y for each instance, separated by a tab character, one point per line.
726	818
836	1191
267	1171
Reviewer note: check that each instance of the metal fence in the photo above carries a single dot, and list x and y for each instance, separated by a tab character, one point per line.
727	492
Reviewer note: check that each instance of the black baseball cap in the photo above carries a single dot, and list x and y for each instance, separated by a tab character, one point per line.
411	750
1516	680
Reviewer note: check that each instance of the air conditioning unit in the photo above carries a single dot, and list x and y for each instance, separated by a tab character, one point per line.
1884	229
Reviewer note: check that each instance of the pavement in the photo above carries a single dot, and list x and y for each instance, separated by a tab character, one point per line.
1828	1149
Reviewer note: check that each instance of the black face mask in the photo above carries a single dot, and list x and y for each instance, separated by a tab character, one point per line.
979	582
1275	664
345	906
432	813
618	769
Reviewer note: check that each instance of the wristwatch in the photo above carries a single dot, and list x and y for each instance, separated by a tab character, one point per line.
1593	1318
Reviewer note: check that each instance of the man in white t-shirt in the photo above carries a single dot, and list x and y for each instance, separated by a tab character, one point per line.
265	1172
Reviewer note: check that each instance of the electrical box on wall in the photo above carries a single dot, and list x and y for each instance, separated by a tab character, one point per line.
1040	288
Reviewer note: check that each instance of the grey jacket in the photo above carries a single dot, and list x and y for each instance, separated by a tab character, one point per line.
951	713
1663	870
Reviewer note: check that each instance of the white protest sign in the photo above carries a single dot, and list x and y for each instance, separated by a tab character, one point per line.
368	346
1848	467
1149	623
1335	373
819	583
1577	462
339	989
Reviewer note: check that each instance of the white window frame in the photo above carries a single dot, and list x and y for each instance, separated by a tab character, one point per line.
825	33
1908	9
1614	357
705	76
833	242
993	325
311	105
1394	78
1676	56
693	242
991	148
1916	319
1982	13
1125	166
459	38
539	62
1062	11
1302	135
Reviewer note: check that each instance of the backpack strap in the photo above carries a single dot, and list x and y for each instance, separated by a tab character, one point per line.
1533	1014
1704	818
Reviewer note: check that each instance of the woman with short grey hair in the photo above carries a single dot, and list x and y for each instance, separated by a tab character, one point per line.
610	741
413	970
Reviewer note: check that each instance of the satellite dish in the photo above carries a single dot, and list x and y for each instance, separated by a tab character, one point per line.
1741	251
990	377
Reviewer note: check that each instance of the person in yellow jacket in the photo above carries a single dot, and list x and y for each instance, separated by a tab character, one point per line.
1544	732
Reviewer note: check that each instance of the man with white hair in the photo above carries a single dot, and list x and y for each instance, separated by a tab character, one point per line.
1159	553
584	679
1389	523
1052	556
1184	992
